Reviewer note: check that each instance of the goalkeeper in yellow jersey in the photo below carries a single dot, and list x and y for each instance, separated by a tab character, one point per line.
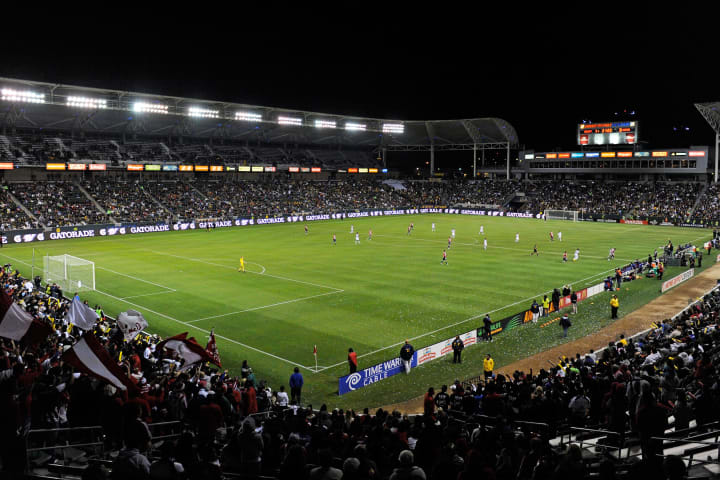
241	268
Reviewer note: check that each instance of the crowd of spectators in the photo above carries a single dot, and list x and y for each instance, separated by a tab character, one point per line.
57	204
125	201
12	217
630	199
62	204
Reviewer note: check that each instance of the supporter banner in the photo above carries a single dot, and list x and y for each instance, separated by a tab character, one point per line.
634	222
677	280
374	374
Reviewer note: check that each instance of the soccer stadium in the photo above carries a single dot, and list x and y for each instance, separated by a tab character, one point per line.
196	288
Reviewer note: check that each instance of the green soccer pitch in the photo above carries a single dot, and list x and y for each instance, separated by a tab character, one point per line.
301	290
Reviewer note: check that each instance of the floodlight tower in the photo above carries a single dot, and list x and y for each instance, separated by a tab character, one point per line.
711	113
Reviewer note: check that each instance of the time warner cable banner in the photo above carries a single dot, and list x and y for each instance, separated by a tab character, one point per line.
373	374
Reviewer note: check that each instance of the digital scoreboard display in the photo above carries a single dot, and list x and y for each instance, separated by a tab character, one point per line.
612	133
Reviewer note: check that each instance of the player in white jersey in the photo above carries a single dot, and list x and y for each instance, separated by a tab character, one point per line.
453	233
576	257
560	236
611	254
517	237
352	228
485	244
482	229
433	226
357	238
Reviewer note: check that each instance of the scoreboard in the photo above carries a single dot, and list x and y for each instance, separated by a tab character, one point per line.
612	133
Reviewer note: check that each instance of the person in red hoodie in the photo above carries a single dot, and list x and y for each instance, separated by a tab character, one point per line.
352	360
429	402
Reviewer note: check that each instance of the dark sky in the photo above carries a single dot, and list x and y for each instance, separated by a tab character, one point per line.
542	70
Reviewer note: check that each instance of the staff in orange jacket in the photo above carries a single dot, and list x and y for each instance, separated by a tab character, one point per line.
352	360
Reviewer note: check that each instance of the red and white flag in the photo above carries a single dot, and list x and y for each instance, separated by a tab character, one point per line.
17	324
212	350
91	358
187	348
315	350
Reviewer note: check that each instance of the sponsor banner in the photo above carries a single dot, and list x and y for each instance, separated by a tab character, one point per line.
677	280
97	167
594	290
374	374
135	167
76	166
634	222
58	235
216	224
202	168
691	225
294	169
170	168
54	166
149	167
6	166
315	169
216	168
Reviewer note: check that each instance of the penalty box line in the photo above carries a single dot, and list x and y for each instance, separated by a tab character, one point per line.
469	319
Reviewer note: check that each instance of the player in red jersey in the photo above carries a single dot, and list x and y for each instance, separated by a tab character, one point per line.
444	259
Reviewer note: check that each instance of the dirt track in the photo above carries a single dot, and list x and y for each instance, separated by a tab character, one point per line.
658	309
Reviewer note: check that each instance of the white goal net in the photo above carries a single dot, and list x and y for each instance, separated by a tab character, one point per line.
562	215
72	274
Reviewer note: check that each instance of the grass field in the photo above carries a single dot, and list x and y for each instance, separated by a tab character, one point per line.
300	290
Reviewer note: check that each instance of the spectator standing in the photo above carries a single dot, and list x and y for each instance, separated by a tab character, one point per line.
565	324
546	306
488	365
406	355
457	346
487	328
282	397
352	360
296	384
573	302
614	305
535	310
555	297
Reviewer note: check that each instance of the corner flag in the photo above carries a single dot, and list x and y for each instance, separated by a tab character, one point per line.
315	354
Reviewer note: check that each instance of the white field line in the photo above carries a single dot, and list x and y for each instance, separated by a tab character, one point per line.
207	331
338	290
265	306
138	279
149	294
474	317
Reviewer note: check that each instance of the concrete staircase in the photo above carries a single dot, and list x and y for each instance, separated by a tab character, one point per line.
95	202
24	208
700	196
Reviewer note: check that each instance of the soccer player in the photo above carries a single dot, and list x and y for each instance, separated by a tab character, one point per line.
452	232
449	242
370	234
485	243
409	228
559	236
412	226
565	256
357	238
241	268
433	226
444	259
576	257
552	237
517	237
482	229
611	254
535	252
352	228
306	230
334	239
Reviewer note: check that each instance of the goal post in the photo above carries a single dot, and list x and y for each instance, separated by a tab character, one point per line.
562	215
69	272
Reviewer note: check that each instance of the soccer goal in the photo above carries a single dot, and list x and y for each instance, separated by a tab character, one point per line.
72	274
562	215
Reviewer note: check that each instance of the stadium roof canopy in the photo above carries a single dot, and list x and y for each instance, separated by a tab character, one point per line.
40	105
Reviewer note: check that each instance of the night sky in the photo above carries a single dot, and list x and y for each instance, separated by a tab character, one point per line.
544	72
